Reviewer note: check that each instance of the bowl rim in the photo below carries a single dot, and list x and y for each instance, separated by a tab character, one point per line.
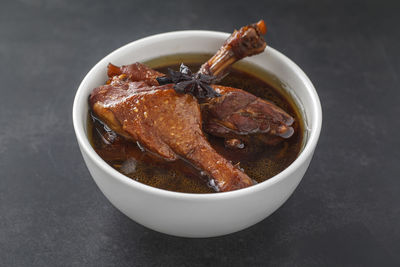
86	147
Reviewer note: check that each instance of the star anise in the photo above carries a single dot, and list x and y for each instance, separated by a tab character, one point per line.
185	82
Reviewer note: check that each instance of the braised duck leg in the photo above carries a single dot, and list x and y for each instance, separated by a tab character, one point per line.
245	42
166	124
237	114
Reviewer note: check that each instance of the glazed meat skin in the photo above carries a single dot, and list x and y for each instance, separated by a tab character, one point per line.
169	124
135	72
237	114
166	124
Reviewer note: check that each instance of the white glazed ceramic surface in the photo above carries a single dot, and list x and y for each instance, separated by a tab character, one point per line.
196	215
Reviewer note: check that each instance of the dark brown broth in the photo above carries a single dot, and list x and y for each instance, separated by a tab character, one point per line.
259	161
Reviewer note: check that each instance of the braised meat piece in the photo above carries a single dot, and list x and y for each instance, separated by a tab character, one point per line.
236	114
135	72
168	124
165	123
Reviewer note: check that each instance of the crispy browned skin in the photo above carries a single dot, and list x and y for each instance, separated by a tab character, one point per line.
165	123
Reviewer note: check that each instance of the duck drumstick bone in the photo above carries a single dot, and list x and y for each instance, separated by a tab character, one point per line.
245	42
238	114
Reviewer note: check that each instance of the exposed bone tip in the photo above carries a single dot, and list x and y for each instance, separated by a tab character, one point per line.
262	27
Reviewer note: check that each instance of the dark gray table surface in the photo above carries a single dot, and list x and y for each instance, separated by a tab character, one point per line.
346	210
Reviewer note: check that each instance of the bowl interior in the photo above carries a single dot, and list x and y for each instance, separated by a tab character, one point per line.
298	85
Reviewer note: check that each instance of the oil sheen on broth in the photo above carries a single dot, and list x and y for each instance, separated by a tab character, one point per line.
259	161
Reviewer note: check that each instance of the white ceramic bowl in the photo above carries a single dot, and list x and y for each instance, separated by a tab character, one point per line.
196	215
